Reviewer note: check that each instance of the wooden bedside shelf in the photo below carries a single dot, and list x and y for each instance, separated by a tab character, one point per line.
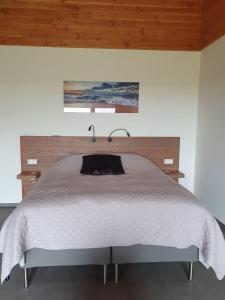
29	178
29	175
175	174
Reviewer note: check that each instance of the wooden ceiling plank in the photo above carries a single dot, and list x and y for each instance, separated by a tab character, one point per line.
132	12
31	23
187	46
152	3
83	5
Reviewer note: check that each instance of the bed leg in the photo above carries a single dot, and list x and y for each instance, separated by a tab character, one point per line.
190	275
116	273
25	278
104	274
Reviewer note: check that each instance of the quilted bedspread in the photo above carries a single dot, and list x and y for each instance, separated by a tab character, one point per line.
68	210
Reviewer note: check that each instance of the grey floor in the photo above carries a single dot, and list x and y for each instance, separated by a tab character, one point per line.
158	281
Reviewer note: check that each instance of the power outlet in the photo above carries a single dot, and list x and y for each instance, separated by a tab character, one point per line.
168	161
32	161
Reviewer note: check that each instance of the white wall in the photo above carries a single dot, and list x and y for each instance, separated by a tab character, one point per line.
210	155
31	97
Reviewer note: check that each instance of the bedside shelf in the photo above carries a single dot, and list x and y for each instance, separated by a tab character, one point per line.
29	178
175	174
29	175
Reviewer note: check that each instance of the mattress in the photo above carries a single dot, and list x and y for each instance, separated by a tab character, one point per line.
67	210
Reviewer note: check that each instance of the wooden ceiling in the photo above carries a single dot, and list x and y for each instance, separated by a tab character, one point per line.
213	26
121	24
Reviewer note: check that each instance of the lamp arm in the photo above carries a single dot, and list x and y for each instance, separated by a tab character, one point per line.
110	139
93	133
93	137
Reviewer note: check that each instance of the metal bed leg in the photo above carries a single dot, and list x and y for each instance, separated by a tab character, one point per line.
190	275
104	274
25	279
116	273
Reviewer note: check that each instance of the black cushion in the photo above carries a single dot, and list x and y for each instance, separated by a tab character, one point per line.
102	164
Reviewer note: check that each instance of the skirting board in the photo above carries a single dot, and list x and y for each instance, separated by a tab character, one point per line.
8	204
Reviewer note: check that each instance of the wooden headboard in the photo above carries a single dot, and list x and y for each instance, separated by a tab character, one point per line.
48	149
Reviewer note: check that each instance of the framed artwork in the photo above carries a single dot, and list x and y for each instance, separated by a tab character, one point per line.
101	97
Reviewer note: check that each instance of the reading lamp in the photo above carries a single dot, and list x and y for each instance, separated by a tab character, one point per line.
93	133
121	129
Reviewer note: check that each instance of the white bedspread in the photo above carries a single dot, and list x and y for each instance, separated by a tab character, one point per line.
67	210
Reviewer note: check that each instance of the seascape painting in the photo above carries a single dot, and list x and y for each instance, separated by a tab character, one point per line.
104	97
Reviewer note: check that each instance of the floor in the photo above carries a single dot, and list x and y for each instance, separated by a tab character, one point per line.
158	281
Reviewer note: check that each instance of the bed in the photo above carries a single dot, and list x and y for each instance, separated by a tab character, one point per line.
141	216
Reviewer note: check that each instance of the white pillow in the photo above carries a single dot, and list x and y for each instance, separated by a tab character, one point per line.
133	163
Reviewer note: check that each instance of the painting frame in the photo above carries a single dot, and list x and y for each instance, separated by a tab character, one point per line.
101	96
